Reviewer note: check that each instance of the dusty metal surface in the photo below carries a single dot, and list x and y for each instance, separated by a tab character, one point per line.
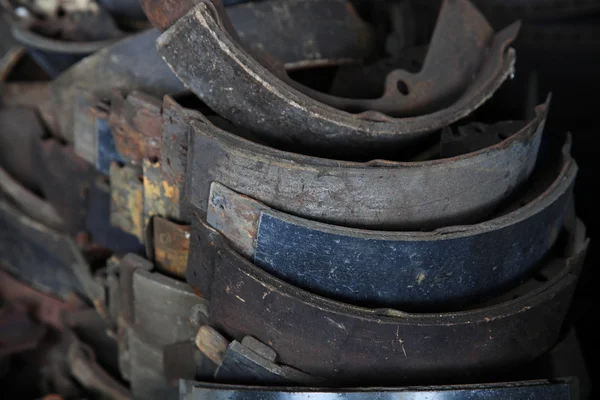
161	196
129	64
377	194
171	246
127	200
344	343
175	134
533	390
287	29
136	123
155	321
290	31
448	268
205	57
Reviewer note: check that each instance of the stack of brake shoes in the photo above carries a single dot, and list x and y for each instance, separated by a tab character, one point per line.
273	240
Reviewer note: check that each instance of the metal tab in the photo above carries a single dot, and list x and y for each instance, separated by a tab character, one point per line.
127	200
171	246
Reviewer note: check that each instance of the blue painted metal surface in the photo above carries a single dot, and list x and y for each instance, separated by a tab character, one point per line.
105	147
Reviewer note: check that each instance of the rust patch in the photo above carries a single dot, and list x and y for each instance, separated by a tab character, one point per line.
136	123
171	246
127	200
161	197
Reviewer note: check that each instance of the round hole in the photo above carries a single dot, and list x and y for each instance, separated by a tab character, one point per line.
503	136
403	87
456	133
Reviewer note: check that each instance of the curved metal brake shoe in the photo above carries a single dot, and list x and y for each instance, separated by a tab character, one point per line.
344	343
133	63
204	55
377	194
561	389
502	10
448	268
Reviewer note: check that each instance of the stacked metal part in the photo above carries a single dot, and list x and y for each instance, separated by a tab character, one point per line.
239	234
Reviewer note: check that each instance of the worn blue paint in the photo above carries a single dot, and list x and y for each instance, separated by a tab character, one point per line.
105	147
411	273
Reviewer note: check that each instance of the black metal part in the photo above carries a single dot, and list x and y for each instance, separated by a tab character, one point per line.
303	33
46	260
562	389
253	363
209	61
345	343
378	194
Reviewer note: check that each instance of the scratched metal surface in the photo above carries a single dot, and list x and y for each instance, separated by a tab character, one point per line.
203	54
344	343
375	195
445	269
565	389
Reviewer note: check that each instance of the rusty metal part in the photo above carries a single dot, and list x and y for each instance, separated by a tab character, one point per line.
449	268
18	332
65	180
457	50
129	64
559	389
175	131
344	343
161	197
211	343
378	194
127	199
171	246
213	63
150	302
136	123
97	222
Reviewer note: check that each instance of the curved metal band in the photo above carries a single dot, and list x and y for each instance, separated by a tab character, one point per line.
532	390
439	270
378	194
345	343
208	60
